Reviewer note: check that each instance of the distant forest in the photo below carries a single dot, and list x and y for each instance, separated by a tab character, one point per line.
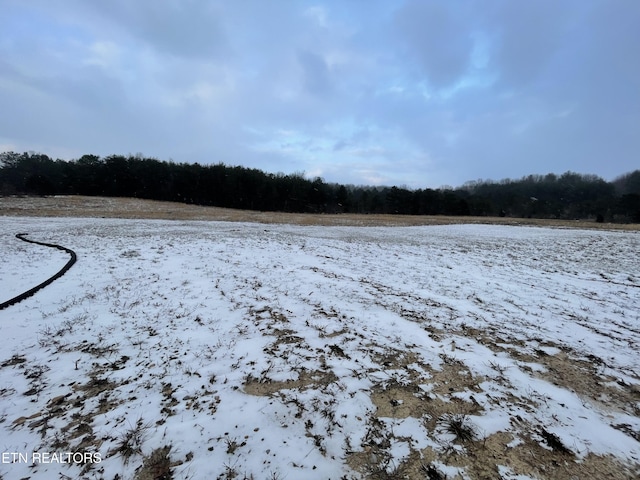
566	196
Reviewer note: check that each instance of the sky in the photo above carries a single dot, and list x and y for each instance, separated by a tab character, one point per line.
414	93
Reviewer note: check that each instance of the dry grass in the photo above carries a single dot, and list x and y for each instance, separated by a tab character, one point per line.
106	207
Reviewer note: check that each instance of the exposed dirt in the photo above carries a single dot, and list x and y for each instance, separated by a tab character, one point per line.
304	381
108	207
534	452
586	379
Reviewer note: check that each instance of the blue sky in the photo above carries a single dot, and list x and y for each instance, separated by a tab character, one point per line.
420	93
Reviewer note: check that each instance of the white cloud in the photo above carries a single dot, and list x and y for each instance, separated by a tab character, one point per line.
103	54
318	14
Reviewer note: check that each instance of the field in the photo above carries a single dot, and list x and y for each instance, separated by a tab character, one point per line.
196	348
101	207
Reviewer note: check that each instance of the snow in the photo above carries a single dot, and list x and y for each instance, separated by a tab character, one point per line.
31	265
255	349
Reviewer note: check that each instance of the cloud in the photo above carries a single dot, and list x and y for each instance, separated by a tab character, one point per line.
315	73
527	38
428	92
437	36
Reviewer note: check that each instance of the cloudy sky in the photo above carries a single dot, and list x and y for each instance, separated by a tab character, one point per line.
421	93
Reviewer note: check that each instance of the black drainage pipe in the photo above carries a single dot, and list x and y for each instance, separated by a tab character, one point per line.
50	280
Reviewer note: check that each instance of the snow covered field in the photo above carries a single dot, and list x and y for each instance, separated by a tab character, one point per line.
203	350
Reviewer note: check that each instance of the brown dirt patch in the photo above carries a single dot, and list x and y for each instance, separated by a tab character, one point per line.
482	458
583	375
305	380
527	450
585	379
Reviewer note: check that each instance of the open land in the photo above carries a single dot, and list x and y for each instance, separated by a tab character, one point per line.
224	344
111	207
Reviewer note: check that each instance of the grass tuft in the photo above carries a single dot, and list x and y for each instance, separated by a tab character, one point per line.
459	426
130	442
156	466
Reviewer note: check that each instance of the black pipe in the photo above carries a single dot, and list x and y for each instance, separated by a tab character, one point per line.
50	280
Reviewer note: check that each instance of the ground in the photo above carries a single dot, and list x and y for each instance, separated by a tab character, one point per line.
243	349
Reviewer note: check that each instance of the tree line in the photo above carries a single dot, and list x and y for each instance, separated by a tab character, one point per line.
567	196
